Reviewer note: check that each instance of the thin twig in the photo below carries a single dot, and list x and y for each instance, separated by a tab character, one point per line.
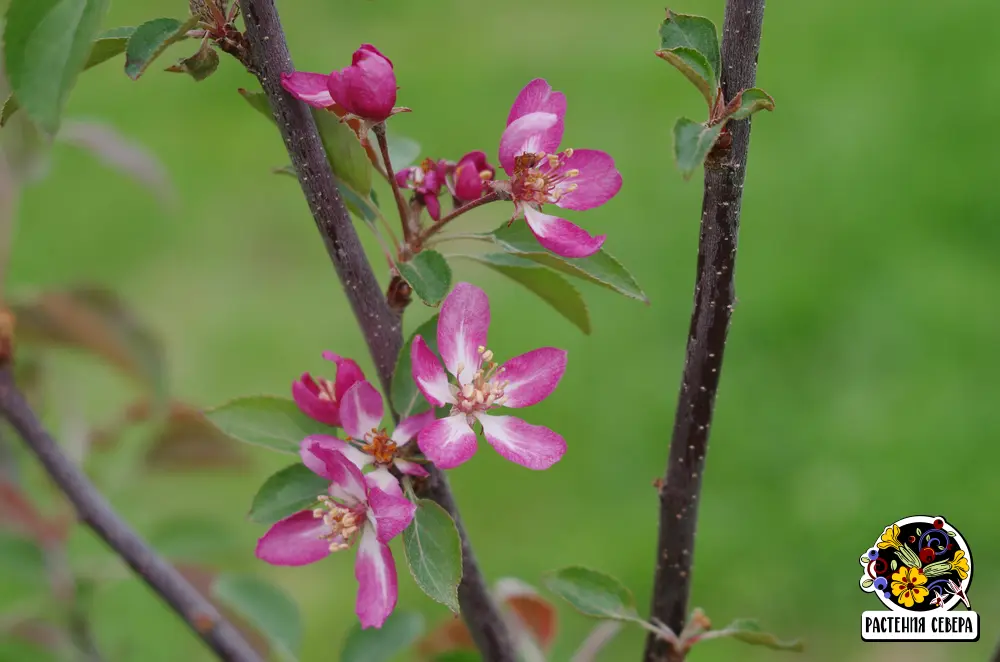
453	214
390	174
380	326
713	306
225	640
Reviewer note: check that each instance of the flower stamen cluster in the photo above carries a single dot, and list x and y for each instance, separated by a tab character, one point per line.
344	523
380	446
535	183
484	391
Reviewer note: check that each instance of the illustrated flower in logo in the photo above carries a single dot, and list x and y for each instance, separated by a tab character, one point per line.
908	585
918	564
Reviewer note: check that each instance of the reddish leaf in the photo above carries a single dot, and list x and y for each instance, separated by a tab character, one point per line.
97	321
538	615
189	441
449	636
20	515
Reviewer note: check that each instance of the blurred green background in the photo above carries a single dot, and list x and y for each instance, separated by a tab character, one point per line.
860	376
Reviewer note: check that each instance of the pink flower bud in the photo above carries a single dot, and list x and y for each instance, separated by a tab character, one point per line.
367	88
470	176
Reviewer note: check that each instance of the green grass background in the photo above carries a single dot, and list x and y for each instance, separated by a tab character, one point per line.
859	384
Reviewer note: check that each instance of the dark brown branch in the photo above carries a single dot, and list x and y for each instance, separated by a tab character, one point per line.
380	326
94	511
714	297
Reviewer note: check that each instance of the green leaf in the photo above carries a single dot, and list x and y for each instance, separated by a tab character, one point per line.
267	421
549	286
266	607
286	492
749	631
194	539
47	43
434	553
600	268
199	66
258	101
459	656
692	143
697	33
346	154
150	40
108	45
397	634
407	399
428	274
695	68
867	583
593	593
363	208
402	151
748	102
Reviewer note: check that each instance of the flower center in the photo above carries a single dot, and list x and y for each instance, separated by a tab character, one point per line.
344	523
485	390
380	446
540	178
326	390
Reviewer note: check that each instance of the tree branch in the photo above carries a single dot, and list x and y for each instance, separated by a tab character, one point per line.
714	296
380	326
95	512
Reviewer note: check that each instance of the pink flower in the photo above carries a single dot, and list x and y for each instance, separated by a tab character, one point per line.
366	89
357	510
320	399
574	179
482	386
426	181
469	177
361	411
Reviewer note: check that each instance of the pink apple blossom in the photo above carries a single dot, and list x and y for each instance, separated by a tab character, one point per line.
320	399
482	386
366	89
426	180
469	177
361	411
575	179
357	510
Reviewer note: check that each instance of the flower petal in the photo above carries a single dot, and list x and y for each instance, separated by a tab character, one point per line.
531	446
295	540
560	236
367	88
428	374
308	87
391	513
305	392
448	442
537	96
409	427
361	410
598	181
383	480
348	374
532	376
411	468
378	588
318	465
462	329
532	133
347	482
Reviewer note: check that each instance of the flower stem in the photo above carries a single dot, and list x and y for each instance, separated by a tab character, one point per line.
404	211
452	215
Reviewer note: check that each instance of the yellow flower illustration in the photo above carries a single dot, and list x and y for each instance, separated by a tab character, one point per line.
908	586
960	564
890	538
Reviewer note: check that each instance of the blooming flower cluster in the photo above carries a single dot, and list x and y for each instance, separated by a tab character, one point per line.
538	173
364	506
